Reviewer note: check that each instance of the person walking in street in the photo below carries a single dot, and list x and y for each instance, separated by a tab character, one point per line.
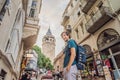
33	77
26	76
70	68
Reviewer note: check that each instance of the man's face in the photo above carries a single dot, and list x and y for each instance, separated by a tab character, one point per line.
65	37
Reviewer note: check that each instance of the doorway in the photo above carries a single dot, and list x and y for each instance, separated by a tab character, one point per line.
111	58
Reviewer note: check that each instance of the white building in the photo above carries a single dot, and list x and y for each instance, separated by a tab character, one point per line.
95	24
12	46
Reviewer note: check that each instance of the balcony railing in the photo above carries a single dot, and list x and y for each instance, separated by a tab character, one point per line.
101	17
86	5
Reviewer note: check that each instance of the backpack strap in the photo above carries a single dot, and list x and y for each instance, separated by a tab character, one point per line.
75	43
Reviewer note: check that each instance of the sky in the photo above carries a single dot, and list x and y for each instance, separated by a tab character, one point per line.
51	15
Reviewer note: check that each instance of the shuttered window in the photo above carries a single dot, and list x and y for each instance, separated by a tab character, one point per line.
2	3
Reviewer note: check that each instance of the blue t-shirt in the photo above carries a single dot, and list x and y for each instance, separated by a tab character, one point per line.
70	44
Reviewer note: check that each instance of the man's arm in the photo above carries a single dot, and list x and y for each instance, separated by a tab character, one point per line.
72	57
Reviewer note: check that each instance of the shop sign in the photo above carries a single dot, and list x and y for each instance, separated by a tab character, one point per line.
107	73
100	70
98	61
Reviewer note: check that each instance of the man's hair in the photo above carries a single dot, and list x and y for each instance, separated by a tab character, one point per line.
67	33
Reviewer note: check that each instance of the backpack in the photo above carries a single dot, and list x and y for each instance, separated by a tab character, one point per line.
80	57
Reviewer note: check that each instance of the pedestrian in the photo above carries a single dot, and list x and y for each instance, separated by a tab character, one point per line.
70	68
24	76
33	77
111	73
93	73
29	76
53	73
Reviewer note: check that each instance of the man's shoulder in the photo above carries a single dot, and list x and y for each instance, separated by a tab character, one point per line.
71	41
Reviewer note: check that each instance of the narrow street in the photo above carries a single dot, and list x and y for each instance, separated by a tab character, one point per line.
46	38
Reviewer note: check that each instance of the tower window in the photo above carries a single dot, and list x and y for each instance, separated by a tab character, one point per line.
51	39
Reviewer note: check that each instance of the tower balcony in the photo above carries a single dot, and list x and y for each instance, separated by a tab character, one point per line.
101	17
87	5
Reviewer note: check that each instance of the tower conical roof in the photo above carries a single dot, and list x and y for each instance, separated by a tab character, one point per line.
49	32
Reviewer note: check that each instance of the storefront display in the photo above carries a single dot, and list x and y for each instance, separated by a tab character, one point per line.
107	73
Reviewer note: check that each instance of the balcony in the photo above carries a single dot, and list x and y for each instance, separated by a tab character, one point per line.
65	19
87	5
31	28
101	17
30	34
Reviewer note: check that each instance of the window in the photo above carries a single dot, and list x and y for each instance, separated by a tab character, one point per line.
100	4
46	39
106	37
88	49
77	33
3	3
32	12
71	4
2	9
68	28
78	13
2	74
82	27
8	45
34	3
91	15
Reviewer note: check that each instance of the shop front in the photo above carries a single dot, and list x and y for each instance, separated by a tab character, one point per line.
90	65
109	48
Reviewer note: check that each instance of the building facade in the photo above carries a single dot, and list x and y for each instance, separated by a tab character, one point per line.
12	43
31	63
11	23
97	28
58	62
31	28
48	45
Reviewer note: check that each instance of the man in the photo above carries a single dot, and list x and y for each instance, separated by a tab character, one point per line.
70	68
